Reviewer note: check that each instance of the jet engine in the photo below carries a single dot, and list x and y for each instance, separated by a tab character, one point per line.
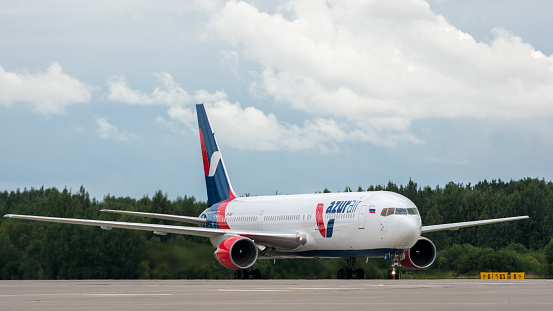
237	253
420	256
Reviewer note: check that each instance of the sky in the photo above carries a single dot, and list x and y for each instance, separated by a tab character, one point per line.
302	95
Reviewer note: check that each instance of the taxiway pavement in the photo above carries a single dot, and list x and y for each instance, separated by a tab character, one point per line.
287	295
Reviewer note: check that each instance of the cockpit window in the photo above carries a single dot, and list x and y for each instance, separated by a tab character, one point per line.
401	211
412	211
387	211
398	211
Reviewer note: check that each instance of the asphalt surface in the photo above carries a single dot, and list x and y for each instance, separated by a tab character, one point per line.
277	295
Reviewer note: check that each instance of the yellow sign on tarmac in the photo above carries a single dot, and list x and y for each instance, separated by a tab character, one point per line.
485	275
500	275
517	275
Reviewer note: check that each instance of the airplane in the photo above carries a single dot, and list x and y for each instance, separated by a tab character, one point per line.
350	225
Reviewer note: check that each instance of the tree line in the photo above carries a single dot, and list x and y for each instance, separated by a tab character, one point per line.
38	250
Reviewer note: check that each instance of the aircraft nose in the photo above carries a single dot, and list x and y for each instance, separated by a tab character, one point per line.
409	228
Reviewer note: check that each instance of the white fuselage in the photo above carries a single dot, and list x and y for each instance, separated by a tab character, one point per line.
350	224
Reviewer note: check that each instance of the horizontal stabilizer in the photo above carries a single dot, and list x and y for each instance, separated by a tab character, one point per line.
457	225
188	219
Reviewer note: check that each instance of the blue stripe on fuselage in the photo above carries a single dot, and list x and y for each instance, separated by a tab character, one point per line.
330	228
211	215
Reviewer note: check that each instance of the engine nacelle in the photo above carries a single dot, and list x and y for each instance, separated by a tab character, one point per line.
237	253
420	256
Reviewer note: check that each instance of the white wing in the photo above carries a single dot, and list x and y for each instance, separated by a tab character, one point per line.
457	225
189	219
281	240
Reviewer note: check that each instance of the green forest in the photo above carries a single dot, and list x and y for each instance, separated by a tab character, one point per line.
38	250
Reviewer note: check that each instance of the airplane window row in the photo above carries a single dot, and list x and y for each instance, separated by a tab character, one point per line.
340	216
237	219
282	217
398	211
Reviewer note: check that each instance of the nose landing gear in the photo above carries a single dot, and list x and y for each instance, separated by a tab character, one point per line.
394	273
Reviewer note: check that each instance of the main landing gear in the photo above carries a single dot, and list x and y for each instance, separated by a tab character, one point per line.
393	272
350	272
252	274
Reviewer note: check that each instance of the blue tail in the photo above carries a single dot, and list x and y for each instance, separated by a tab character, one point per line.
216	178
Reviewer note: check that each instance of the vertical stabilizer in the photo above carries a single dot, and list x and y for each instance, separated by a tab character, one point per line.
216	178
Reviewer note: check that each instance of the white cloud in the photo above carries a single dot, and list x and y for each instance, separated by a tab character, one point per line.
361	70
107	131
367	60
230	60
171	93
120	92
250	128
48	92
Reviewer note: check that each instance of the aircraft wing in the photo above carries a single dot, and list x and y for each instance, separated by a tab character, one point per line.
189	219
457	225
273	239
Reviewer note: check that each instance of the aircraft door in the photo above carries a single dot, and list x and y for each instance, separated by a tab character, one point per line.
260	220
362	213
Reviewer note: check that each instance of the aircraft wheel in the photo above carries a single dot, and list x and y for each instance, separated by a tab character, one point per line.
237	274
247	274
349	273
256	274
360	274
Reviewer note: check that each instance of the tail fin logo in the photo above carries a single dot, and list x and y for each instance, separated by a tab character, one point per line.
216	179
209	166
215	159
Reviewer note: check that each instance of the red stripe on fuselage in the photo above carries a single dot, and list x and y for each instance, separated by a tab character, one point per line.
221	214
320	220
